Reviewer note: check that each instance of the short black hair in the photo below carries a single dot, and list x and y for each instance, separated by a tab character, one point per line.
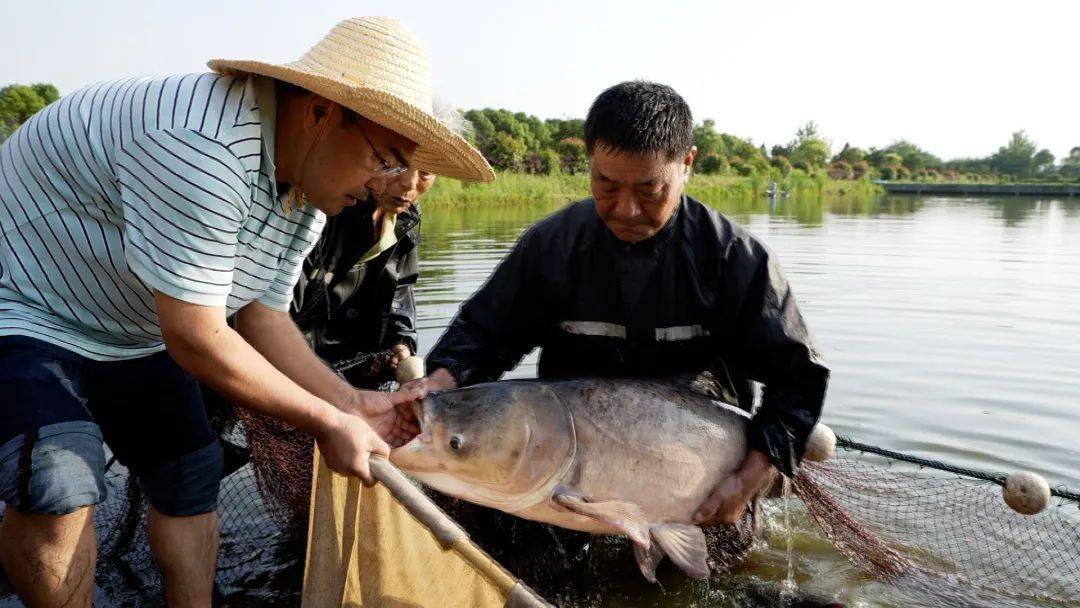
638	116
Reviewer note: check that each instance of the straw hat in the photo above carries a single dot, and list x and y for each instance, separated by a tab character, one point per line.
377	68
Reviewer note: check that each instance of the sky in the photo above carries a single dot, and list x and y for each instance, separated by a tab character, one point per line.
955	77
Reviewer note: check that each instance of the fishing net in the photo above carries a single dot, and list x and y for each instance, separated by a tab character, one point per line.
932	534
943	532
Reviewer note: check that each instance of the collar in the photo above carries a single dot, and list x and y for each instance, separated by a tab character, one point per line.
266	97
385	239
662	236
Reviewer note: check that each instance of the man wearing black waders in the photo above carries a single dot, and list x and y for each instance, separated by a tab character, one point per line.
643	280
137	218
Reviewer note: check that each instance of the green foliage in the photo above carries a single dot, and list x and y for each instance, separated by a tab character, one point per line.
711	164
549	162
503	151
841	169
782	165
810	153
18	102
1070	168
516	141
572	155
1017	158
850	155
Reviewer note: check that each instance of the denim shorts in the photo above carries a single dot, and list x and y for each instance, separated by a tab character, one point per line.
57	407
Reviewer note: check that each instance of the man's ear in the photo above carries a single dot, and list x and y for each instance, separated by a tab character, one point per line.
688	161
317	109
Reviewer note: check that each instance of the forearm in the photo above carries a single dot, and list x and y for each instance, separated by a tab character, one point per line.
208	349
788	413
274	335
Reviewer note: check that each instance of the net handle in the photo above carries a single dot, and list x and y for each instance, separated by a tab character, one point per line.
419	506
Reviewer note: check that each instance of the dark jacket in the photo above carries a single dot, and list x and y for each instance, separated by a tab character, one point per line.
702	294
345	308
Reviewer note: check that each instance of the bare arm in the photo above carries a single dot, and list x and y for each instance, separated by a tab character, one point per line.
201	342
276	337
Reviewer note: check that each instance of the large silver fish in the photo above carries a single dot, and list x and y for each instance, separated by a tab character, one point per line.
630	457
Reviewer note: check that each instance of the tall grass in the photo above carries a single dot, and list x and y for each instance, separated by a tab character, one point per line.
516	188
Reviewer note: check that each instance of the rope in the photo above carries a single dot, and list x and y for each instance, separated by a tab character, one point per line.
998	478
345	364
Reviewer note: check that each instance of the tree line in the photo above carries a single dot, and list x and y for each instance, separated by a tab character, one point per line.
516	141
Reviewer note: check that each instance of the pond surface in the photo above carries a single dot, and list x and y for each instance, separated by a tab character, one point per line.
951	325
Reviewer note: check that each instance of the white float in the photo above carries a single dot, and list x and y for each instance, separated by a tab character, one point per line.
1026	492
821	444
410	369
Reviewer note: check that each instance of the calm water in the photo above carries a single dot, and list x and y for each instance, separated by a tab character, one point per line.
951	324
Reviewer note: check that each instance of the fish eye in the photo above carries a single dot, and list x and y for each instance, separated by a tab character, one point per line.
455	442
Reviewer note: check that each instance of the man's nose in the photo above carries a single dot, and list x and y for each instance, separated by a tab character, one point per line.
377	185
626	207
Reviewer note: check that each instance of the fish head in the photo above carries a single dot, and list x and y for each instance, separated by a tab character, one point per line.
488	443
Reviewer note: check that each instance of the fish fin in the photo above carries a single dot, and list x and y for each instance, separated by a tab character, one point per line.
648	558
685	545
626	516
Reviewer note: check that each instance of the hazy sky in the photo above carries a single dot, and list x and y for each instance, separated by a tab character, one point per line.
955	77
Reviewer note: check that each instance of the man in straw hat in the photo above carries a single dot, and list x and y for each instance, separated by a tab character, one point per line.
138	216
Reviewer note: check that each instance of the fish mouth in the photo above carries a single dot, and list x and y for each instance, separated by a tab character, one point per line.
418	454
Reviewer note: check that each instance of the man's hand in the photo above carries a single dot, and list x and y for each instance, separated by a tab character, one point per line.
401	352
727	502
346	444
438	380
389	414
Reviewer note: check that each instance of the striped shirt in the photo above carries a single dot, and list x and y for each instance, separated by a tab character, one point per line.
124	188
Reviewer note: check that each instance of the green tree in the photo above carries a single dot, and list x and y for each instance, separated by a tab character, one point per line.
504	152
1043	161
782	164
850	155
565	128
807	131
711	163
1070	167
18	102
572	155
549	162
1017	158
841	169
810	153
709	145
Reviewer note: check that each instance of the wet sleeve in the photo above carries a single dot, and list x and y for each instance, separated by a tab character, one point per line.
183	199
495	327
773	345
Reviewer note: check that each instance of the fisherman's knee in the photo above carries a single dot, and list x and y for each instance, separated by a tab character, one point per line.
57	469
187	485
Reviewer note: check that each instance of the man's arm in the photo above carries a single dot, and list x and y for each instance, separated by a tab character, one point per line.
495	327
773	345
274	335
201	342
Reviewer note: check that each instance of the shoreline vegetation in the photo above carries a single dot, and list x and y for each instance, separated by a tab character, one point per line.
516	188
546	159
